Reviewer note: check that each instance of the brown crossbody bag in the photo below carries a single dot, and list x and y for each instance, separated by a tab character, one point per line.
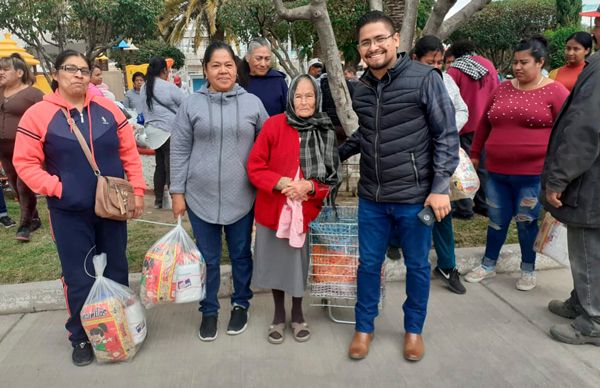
115	198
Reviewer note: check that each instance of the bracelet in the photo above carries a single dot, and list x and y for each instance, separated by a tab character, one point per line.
312	190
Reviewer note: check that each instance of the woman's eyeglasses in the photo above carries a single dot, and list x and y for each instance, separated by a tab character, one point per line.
72	69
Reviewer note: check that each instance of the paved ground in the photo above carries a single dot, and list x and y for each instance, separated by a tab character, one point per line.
494	336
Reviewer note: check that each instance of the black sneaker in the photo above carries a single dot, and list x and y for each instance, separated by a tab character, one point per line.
35	224
238	321
452	280
394	253
23	233
7	222
83	354
208	328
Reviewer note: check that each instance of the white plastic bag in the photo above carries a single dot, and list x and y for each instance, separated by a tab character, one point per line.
112	317
464	183
173	270
552	240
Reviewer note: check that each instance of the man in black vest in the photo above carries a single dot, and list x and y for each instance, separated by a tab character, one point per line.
570	187
408	143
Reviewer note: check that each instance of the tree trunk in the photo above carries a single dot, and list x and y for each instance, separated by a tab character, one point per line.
435	20
450	25
376	5
316	12
407	32
395	10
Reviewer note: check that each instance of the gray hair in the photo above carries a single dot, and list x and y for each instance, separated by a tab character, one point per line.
257	42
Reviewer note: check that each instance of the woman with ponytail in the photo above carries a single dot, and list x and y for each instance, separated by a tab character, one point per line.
160	102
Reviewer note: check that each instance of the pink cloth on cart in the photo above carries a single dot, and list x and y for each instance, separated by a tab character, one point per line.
291	221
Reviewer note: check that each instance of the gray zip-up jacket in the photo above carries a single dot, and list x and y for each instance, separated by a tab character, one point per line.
163	112
211	138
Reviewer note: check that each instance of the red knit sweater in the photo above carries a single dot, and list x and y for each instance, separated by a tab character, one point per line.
275	154
516	128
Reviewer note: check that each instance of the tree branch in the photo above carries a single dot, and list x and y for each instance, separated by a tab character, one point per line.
298	13
376	5
450	25
438	13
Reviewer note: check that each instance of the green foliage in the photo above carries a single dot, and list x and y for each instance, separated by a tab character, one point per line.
149	49
567	12
502	24
423	12
556	44
344	15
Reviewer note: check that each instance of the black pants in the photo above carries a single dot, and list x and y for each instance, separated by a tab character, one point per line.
162	174
464	207
75	233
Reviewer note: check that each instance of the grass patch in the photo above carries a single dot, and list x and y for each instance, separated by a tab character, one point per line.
37	260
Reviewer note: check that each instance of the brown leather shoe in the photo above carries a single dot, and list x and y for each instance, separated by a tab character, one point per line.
359	348
414	348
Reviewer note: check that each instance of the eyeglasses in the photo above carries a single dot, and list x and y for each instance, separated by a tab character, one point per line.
377	41
72	69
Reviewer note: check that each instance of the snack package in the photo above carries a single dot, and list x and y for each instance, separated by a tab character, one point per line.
552	240
464	183
173	270
330	266
112	318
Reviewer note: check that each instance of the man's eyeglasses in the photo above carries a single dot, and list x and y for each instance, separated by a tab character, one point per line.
72	69
377	41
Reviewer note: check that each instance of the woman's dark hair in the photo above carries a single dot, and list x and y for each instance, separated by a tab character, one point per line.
62	58
537	45
16	62
426	44
461	48
97	66
136	74
214	46
243	71
583	38
155	66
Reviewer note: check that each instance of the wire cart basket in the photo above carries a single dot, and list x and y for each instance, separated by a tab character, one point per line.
333	244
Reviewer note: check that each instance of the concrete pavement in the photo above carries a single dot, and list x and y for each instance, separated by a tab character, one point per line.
494	336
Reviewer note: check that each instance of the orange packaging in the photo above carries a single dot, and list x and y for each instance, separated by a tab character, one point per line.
106	326
158	284
330	266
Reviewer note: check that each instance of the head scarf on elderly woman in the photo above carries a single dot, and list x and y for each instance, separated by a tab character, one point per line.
319	157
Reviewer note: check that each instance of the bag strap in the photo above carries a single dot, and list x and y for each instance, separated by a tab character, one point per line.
165	106
82	143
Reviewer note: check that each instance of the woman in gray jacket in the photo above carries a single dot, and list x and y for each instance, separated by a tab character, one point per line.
212	137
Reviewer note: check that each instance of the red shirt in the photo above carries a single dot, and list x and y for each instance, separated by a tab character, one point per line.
516	128
567	75
475	93
275	154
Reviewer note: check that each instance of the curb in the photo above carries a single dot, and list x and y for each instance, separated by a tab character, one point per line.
48	295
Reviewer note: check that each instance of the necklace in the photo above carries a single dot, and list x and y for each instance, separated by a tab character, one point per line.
536	85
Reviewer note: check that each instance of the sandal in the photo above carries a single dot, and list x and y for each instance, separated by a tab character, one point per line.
275	329
300	331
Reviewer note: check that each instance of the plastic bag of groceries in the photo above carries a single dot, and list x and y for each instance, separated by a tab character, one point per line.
112	317
173	270
552	240
464	183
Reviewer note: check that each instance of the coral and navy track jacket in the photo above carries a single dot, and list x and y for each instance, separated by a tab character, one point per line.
50	161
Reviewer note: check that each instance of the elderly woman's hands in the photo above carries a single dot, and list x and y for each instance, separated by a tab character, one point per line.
298	190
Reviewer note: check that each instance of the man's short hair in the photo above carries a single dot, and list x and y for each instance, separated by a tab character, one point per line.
461	48
137	74
374	17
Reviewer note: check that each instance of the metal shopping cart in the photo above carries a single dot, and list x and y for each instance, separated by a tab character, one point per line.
333	245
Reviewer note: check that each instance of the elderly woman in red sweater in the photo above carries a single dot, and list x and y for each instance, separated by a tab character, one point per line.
293	164
515	130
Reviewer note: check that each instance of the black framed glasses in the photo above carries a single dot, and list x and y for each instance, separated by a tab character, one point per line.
72	69
377	41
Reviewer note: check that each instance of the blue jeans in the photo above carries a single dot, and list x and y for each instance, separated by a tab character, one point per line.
443	242
208	240
511	196
3	209
375	223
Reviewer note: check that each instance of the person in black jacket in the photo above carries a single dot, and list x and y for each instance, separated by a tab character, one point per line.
570	186
408	143
328	106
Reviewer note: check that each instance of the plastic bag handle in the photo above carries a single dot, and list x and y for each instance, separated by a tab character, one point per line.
85	262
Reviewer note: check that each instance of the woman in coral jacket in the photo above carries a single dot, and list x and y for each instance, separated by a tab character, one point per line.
293	164
50	161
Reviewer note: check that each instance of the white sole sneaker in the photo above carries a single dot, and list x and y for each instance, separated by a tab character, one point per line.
476	279
208	339
240	331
